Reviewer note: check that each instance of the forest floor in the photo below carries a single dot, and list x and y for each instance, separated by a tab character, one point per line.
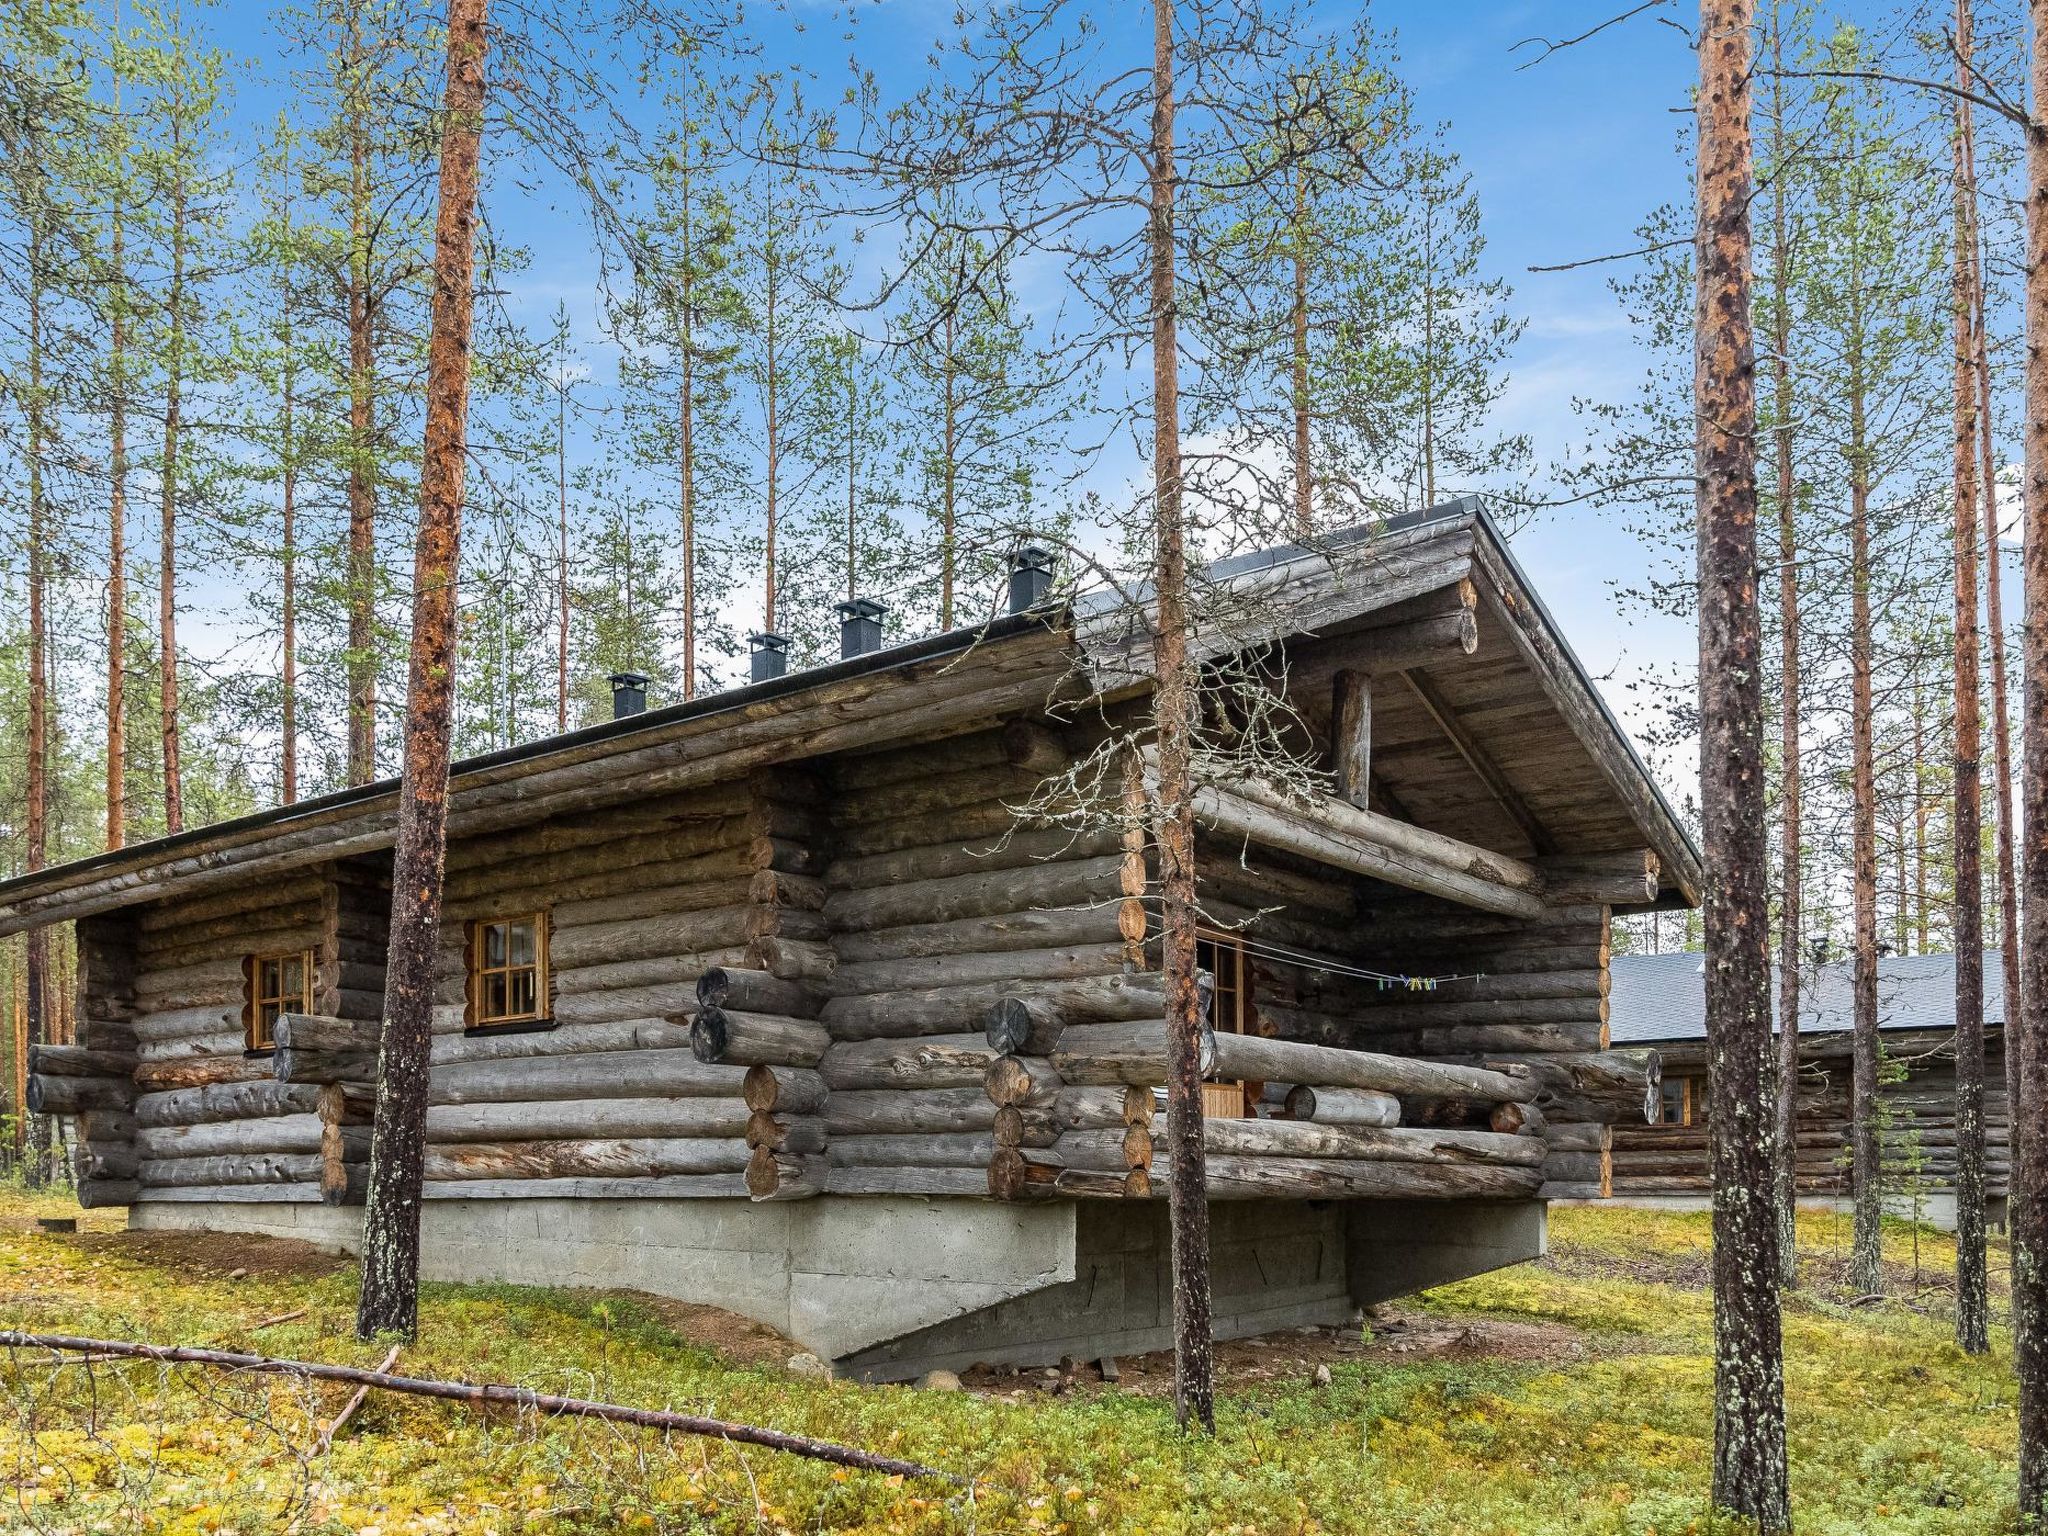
1570	1395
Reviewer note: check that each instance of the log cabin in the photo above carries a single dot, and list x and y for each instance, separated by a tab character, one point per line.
1659	1004
833	1000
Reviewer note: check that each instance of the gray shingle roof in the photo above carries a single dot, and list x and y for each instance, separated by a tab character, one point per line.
1663	997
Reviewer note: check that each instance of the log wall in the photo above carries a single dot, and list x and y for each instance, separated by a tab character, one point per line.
1917	1128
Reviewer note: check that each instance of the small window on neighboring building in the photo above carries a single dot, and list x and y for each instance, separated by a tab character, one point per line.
277	984
508	970
1681	1101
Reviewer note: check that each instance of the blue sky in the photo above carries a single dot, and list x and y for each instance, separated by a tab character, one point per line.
1567	154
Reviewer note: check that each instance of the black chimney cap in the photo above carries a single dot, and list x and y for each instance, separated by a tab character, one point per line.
1030	577
629	694
860	626
769	655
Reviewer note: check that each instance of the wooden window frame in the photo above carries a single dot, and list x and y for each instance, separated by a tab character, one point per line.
1688	1103
257	1032
474	972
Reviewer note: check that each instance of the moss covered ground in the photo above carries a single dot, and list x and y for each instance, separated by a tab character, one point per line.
1567	1396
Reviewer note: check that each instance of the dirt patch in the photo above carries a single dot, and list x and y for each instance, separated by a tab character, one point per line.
1689	1270
1397	1338
215	1255
739	1340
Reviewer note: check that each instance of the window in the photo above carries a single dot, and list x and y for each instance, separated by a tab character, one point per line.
277	984
1681	1101
508	971
1222	956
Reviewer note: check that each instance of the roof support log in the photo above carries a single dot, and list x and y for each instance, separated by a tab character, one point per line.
1478	760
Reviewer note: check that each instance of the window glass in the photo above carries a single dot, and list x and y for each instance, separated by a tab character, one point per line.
508	970
278	984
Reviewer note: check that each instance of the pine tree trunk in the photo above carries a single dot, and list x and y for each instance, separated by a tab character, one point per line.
1791	935
167	571
2027	1088
950	473
1194	1362
561	552
289	722
1749	1425
362	466
686	429
117	541
37	853
391	1222
1865	1263
774	464
1304	491
1972	1301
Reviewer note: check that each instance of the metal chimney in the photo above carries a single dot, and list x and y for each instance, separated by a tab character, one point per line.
769	655
860	626
1030	578
629	694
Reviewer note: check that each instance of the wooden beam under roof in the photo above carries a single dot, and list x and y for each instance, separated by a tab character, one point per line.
1476	758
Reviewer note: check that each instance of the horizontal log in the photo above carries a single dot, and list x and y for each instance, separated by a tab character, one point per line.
238	1168
966	1149
623	975
788	1090
1629	1081
645	1034
178	1023
634	901
1592	1190
665	1000
77	1061
668	933
756	1039
1341	835
106	1125
104	1161
1002	933
634	1157
1495	1039
1021	1080
1018	851
1022	1026
1342	1106
780	1176
1575	1167
1133	1053
273	1133
880	1112
577	1119
1072	1109
951	1010
1429	641
791	959
1519	986
933	971
235	1101
1434	1013
647	1074
199	1071
1627	878
312	1032
293	1066
1254	1057
1294	1138
71	1095
1579	1137
1302	1178
724	986
922	1061
100	1194
799	1134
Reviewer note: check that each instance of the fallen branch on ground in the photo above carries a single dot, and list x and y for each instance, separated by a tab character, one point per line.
348	1409
465	1392
268	1322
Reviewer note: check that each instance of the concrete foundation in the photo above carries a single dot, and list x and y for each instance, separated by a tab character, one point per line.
888	1287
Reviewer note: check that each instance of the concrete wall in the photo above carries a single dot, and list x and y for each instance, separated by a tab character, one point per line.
888	1287
836	1275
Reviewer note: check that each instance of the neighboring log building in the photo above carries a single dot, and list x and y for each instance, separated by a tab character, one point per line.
1659	1004
768	1000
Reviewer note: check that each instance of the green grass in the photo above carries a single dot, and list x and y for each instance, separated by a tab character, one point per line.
1597	1419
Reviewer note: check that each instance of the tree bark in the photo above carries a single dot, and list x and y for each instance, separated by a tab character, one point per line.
1174	817
36	942
391	1225
167	554
1791	906
1749	1425
362	489
1972	1301
2028	1070
117	538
